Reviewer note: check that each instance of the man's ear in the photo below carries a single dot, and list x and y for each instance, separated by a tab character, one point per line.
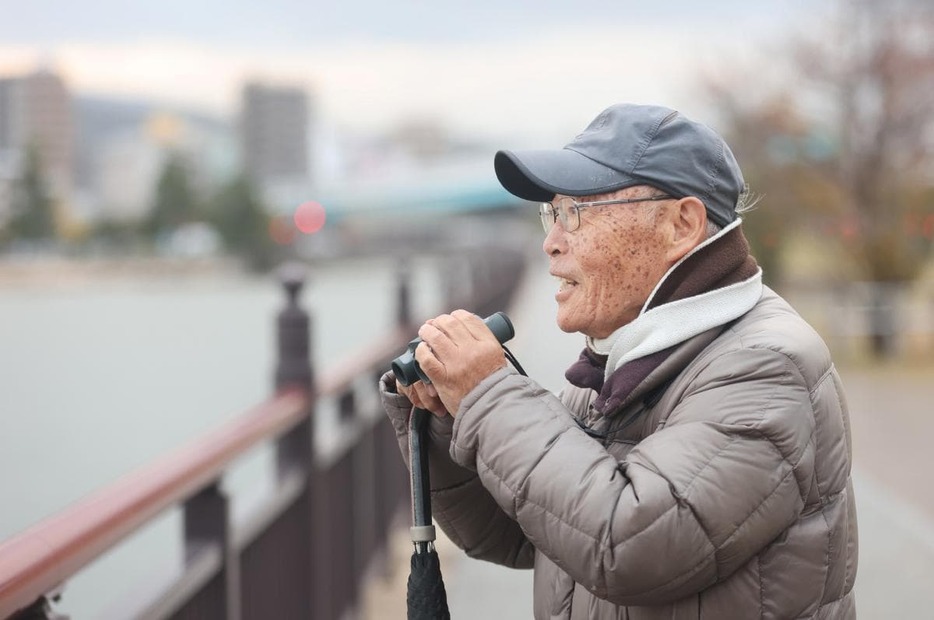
689	227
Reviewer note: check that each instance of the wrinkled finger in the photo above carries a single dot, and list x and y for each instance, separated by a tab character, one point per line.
453	326
472	323
423	396
439	343
427	358
428	399
411	393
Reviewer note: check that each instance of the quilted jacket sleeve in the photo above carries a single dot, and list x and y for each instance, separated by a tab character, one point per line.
689	504
460	505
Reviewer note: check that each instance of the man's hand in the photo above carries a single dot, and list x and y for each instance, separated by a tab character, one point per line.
457	352
424	397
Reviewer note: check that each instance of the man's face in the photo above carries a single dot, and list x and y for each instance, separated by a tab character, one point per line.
608	267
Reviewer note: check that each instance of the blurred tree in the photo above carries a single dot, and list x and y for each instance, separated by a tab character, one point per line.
242	222
845	144
175	202
878	70
769	138
116	235
32	210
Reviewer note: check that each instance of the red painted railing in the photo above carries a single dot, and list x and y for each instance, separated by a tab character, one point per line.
46	554
307	552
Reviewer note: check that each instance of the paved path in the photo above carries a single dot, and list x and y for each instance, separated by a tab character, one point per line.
892	415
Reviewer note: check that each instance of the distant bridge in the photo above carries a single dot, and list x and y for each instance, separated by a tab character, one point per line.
438	189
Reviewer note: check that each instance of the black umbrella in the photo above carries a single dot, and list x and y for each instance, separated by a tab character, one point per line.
426	597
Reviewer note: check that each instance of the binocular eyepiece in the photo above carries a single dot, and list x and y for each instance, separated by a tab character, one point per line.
408	371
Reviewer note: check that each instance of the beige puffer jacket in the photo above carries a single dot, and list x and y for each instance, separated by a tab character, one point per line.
720	490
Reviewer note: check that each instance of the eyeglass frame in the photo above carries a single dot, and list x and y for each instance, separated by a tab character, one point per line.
548	210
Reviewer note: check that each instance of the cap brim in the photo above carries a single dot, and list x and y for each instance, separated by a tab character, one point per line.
539	175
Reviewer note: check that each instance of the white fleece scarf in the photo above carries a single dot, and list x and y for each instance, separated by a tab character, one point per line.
674	322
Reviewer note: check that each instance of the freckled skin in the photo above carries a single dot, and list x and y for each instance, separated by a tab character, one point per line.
616	258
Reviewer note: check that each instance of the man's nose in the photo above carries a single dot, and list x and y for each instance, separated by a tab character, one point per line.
554	242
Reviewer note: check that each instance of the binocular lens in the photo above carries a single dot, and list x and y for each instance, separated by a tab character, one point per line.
405	367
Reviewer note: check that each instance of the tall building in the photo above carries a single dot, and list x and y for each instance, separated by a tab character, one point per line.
36	111
8	114
275	141
9	163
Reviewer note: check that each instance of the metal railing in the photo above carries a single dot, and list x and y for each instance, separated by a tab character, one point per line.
307	551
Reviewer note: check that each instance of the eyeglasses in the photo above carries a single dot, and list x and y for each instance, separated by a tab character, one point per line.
568	210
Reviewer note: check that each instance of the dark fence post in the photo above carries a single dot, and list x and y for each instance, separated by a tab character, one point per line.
295	449
294	364
294	369
42	608
207	523
404	294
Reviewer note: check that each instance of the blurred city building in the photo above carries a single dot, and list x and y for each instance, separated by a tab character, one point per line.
36	112
124	157
104	158
274	134
101	157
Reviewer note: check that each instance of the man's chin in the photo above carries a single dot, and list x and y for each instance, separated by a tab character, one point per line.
567	324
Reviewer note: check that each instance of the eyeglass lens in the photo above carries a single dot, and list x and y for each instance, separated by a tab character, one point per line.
564	210
547	214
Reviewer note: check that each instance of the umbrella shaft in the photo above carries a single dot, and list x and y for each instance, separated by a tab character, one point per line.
421	486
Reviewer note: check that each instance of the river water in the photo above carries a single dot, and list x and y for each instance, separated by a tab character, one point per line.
100	375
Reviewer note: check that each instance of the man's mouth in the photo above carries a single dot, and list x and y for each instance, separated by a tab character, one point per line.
565	283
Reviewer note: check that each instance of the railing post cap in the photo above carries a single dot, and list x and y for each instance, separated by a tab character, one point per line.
292	276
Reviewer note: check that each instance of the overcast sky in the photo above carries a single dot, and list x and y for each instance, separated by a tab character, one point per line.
488	67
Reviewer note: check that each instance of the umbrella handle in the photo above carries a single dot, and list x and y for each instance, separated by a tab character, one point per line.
423	532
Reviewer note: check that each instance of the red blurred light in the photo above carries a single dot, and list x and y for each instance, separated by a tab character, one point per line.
928	227
849	231
310	217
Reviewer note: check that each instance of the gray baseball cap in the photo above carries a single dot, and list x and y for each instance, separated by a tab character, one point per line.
629	145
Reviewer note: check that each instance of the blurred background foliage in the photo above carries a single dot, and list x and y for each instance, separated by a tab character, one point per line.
840	149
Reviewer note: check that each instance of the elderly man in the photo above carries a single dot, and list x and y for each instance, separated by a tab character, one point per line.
697	465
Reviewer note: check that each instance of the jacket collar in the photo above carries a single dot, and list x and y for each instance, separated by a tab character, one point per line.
714	284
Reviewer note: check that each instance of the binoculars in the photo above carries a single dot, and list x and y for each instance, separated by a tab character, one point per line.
408	371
